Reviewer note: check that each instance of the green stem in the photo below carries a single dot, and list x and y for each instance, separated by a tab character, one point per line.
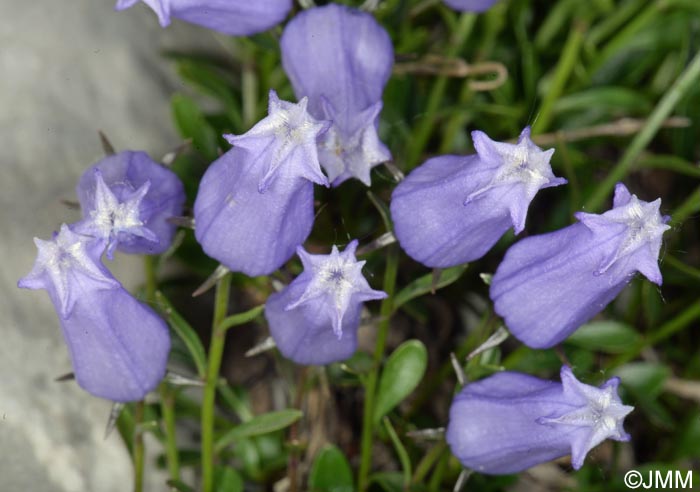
690	206
216	350
677	264
140	407
685	82
665	331
249	86
139	451
167	406
430	458
569	57
241	318
426	125
386	309
400	452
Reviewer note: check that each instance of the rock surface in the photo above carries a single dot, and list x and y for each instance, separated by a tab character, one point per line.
66	70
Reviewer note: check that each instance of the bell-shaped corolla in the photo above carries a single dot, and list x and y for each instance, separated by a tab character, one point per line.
314	320
127	199
511	421
255	203
453	209
341	59
119	347
549	285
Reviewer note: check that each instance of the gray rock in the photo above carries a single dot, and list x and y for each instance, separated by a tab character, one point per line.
66	70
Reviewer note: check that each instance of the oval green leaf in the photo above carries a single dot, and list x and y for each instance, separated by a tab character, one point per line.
227	480
331	472
611	337
403	371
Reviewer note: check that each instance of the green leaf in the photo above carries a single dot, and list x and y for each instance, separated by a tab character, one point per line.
331	472
242	318
604	98
403	371
227	480
643	378
260	424
185	332
401	452
388	481
191	123
611	337
393	482
211	82
424	284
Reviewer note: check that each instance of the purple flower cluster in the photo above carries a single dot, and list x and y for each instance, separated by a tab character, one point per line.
119	347
255	208
338	60
453	209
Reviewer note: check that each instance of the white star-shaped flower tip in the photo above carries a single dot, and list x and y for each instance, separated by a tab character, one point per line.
642	227
351	148
284	142
336	281
65	265
523	164
598	412
109	218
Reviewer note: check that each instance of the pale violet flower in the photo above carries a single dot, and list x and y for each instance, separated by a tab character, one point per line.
119	347
126	199
314	320
510	421
471	5
233	17
341	59
255	203
453	209
549	285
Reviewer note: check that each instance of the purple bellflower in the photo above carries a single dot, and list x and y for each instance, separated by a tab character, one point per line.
126	199
453	209
341	59
255	203
119	346
232	17
470	5
510	421
549	285
314	320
